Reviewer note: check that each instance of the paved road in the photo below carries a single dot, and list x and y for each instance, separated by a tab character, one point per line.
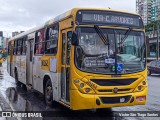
21	100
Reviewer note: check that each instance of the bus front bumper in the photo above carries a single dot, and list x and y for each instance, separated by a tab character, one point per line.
81	101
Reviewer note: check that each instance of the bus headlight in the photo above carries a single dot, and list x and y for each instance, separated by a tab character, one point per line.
144	82
76	81
141	86
83	87
87	90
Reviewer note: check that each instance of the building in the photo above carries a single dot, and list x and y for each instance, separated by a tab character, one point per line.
155	10
3	41
152	45
143	8
1	33
15	33
149	10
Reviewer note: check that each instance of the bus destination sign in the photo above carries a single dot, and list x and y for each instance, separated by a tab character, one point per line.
109	18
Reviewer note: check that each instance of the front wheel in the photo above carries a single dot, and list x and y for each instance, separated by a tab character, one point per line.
49	93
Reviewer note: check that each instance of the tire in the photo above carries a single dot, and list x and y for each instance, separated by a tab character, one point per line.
148	72
48	93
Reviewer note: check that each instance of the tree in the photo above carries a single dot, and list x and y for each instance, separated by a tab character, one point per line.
152	26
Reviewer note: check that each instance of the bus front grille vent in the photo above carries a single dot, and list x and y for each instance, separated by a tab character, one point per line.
110	90
114	82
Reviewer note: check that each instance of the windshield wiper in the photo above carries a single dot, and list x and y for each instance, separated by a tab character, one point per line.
125	36
101	35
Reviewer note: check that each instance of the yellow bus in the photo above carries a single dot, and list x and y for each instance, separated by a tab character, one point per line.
84	59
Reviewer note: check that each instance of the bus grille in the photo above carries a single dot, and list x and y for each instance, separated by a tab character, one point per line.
115	100
111	90
114	82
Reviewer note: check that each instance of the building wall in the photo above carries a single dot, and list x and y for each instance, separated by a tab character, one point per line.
148	9
152	44
143	8
155	11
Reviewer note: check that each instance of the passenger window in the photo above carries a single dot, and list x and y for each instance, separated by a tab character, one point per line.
24	45
19	47
39	44
15	48
9	48
51	40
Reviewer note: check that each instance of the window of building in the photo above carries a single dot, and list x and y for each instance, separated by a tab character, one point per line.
152	50
51	40
40	43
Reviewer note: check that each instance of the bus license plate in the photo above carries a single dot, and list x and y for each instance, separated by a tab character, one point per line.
110	61
122	100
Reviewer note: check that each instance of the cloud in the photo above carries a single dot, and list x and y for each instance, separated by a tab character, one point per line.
21	15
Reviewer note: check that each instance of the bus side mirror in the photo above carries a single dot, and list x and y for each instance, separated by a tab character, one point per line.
74	40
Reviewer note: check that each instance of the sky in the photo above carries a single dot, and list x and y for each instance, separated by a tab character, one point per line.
22	15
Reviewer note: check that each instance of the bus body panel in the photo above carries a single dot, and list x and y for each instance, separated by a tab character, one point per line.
49	68
23	69
30	58
85	101
37	72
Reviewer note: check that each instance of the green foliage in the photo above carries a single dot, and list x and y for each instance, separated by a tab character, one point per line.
152	26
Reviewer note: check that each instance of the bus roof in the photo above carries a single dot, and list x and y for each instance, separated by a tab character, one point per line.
63	16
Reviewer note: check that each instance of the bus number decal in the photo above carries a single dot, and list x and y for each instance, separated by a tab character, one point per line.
91	84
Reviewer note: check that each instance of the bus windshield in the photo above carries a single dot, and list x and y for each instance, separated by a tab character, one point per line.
119	57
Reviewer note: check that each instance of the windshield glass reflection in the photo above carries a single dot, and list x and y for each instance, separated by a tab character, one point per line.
92	55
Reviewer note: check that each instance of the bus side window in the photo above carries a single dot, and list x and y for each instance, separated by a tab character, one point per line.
39	44
9	48
51	40
24	46
15	47
19	46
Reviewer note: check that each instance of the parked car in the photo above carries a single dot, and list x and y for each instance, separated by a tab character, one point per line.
154	67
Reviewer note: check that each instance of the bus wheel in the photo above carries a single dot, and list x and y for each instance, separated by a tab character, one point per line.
16	78
49	93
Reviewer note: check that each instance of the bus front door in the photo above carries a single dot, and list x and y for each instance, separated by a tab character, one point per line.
65	67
